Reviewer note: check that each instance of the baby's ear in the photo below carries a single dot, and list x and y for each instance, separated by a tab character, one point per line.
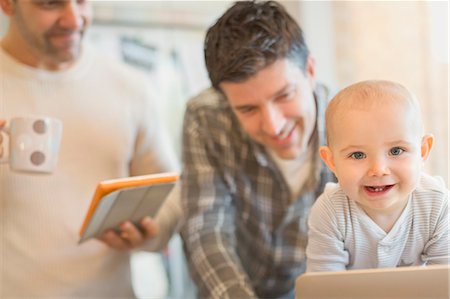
427	144
327	157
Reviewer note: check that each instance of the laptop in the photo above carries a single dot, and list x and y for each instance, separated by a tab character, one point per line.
416	282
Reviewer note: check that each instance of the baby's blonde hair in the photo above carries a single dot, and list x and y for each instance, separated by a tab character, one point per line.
365	95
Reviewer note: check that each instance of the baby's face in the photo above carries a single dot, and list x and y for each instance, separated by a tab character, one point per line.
377	155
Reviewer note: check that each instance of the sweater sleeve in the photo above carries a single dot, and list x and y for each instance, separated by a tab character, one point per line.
153	151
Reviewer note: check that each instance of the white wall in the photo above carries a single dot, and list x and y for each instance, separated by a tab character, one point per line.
316	20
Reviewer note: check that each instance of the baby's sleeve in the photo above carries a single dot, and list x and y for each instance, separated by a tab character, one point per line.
325	250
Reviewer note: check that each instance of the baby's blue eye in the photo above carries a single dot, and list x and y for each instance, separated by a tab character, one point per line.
395	151
358	155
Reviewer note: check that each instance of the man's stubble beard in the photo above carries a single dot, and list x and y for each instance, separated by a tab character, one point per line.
42	46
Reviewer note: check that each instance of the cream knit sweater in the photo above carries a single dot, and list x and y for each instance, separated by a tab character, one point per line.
110	130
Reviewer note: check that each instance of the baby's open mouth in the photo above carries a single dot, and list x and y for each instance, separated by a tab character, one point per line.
378	189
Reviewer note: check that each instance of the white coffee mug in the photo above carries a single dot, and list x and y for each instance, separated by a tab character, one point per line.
33	144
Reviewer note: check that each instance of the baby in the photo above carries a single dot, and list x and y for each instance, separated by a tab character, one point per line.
384	211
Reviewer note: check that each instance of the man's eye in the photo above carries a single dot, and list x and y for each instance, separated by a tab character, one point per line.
285	96
395	151
50	3
358	155
246	110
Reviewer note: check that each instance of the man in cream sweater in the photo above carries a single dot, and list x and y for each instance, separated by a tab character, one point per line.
110	130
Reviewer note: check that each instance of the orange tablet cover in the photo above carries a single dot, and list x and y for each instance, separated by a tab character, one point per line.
105	187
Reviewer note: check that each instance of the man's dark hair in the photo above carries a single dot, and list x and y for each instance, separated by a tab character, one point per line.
250	36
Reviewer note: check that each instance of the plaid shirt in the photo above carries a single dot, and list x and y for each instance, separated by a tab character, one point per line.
244	237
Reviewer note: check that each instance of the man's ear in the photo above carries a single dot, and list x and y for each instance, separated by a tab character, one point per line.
311	71
7	7
327	156
427	144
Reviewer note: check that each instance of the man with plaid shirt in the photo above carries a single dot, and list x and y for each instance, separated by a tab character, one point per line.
250	156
